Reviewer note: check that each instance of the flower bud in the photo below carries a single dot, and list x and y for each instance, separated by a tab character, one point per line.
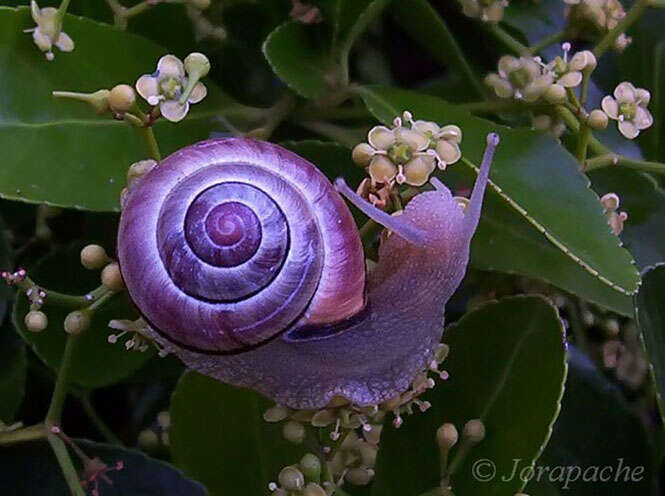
310	465
275	414
291	479
112	278
36	321
314	489
610	202
76	322
474	431
555	94
446	436
122	98
93	257
597	119
359	476
294	432
362	154
197	65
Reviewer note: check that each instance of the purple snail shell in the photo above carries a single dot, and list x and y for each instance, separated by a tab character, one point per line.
246	263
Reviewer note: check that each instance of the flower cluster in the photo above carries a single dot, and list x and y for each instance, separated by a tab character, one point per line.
409	151
485	10
528	79
591	19
174	85
616	219
48	32
523	78
629	108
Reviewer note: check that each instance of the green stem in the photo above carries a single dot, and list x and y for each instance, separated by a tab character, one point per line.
31	433
507	40
452	49
150	142
633	15
99	424
611	159
547	41
54	297
66	465
274	116
62	382
583	143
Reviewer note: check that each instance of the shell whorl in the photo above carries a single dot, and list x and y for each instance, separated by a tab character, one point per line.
229	242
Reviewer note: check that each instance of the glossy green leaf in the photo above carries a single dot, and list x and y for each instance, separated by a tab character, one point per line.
218	436
13	372
536	178
507	367
650	314
30	469
299	55
59	152
97	363
596	428
536	20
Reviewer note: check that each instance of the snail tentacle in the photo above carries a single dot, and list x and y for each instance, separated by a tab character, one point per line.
394	224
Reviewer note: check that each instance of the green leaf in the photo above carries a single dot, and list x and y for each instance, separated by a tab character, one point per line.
59	152
507	367
13	372
596	428
536	178
218	436
5	264
650	314
644	201
30	469
97	363
299	55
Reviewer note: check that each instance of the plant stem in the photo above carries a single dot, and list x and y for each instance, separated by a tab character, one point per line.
583	143
633	15
144	128
64	5
547	41
100	425
54	297
62	382
31	433
507	39
341	135
66	465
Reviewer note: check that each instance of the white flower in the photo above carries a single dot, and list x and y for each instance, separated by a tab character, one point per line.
568	73
520	78
629	108
49	30
168	87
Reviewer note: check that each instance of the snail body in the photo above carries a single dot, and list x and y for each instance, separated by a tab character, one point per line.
246	263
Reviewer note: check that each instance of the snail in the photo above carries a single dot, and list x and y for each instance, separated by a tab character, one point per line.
246	263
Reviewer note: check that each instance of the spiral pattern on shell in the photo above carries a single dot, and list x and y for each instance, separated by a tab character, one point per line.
227	243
